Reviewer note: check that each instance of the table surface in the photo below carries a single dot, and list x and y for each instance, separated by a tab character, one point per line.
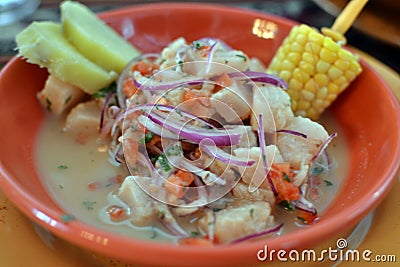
18	234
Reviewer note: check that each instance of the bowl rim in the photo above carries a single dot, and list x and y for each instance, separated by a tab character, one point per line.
75	231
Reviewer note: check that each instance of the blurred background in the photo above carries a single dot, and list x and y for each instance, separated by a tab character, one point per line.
376	32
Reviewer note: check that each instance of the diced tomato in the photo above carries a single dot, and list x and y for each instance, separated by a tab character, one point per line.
178	183
129	88
93	186
116	213
145	68
224	80
204	50
282	177
190	94
116	180
306	217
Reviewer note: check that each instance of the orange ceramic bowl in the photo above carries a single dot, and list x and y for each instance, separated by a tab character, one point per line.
368	113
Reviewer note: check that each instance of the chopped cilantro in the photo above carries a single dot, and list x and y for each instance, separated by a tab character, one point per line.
154	233
302	220
251	212
197	45
243	57
286	205
177	110
317	170
286	177
162	159
194	233
48	104
147	138
175	150
67	100
216	209
89	205
62	167
328	183
153	159
67	218
60	186
161	214
103	92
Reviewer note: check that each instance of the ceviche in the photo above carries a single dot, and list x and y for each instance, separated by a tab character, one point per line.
202	148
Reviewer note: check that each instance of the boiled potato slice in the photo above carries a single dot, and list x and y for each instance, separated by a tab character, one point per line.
94	39
44	44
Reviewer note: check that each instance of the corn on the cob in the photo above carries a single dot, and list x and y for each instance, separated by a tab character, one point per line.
316	68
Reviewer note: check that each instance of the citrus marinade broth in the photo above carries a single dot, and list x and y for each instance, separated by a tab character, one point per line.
67	167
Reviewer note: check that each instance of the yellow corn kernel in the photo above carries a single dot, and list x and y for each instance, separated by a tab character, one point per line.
318	104
341	82
301	39
334	73
322	66
287	65
333	89
316	69
342	64
294	57
295	85
313	48
295	47
285	75
307	95
310	86
294	95
307	67
316	37
321	79
309	57
331	45
303	104
327	55
311	112
322	93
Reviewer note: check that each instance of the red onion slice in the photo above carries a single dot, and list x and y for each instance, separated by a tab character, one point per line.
210	56
127	72
104	107
182	113
296	133
261	140
223	156
322	147
220	137
209	41
164	86
259	234
156	129
305	205
261	77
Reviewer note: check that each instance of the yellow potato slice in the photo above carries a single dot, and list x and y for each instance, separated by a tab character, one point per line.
44	44
95	39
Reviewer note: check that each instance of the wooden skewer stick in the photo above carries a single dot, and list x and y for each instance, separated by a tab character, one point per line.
344	21
348	16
